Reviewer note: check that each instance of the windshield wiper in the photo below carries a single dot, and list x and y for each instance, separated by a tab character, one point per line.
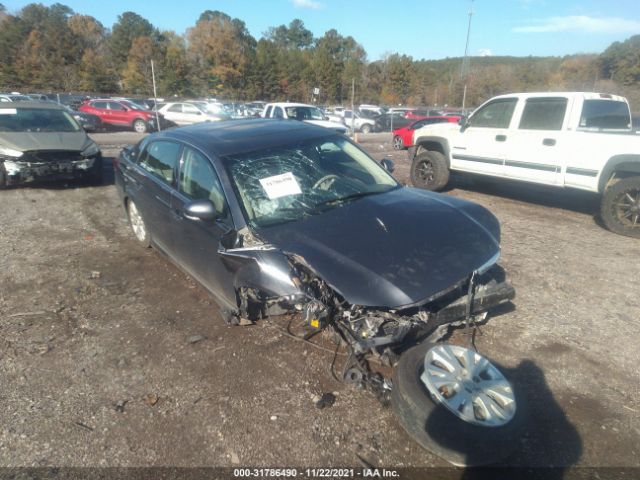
347	198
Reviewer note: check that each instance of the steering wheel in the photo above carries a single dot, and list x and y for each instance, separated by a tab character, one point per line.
327	181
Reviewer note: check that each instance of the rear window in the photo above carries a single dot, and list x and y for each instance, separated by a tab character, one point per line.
36	120
605	114
543	113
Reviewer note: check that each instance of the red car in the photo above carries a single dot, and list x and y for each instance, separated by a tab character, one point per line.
122	113
403	137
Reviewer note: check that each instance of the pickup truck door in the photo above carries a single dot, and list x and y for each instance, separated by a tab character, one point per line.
536	150
480	145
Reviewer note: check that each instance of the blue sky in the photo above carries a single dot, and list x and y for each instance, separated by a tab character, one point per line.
430	29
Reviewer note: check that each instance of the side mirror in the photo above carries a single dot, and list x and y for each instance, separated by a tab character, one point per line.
464	123
388	165
200	210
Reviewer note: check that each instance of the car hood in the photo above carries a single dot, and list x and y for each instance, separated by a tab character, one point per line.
327	124
395	249
26	141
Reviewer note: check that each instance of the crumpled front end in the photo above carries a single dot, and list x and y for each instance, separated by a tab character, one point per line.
35	166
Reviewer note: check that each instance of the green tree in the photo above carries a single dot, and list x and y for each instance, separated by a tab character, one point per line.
129	26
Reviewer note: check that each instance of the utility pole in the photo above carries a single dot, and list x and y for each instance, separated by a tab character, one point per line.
353	111
464	69
155	96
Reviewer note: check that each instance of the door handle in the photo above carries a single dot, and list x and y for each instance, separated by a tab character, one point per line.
177	214
501	138
549	142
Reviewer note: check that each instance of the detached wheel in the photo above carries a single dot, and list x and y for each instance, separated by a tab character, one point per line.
137	224
620	207
398	144
456	404
140	126
429	171
366	128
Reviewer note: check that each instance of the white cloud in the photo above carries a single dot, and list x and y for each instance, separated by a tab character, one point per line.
312	4
582	24
485	52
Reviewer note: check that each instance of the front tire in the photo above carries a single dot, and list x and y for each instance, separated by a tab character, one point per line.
620	207
437	429
138	225
140	126
366	128
429	170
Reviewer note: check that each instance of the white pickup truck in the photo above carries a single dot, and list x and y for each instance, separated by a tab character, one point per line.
578	140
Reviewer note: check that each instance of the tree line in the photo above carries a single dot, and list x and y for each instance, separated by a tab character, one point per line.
55	49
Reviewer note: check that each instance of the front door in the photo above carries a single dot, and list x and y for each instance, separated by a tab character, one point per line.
481	145
196	241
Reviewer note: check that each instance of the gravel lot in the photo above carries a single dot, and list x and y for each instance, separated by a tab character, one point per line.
110	356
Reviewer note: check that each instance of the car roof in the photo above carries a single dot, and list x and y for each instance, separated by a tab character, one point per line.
291	104
233	137
35	105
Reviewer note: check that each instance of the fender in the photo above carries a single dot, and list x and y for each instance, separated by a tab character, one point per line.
439	144
620	163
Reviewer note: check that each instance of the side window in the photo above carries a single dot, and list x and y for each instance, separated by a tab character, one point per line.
115	106
191	109
605	114
160	159
198	180
101	105
496	114
278	113
268	112
543	114
176	108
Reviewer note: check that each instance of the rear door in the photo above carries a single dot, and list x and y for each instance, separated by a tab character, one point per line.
536	152
153	181
481	146
196	242
192	114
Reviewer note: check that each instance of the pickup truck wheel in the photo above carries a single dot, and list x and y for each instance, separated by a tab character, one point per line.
366	128
140	126
398	144
429	171
620	207
481	420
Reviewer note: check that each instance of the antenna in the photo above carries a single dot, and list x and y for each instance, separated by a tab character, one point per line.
464	69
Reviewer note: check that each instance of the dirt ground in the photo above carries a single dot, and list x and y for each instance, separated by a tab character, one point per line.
110	356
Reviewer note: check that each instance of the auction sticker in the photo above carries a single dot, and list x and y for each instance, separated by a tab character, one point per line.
8	111
280	185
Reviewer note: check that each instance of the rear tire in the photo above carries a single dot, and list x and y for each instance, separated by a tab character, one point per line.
438	430
429	170
138	226
140	126
398	144
620	207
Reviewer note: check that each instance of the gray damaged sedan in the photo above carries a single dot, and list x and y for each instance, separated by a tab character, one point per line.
41	141
278	217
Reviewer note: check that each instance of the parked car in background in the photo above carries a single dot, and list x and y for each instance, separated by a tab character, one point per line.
122	113
14	97
42	141
391	120
88	121
580	140
188	113
403	137
360	123
302	112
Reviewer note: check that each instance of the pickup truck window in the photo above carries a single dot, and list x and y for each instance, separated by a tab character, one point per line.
543	113
496	114
605	114
278	113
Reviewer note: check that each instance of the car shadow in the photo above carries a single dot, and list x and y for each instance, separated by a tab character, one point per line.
568	199
550	443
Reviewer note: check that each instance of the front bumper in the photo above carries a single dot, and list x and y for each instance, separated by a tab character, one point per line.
23	171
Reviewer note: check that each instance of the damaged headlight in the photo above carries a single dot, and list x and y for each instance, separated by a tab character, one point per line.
10	152
91	150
